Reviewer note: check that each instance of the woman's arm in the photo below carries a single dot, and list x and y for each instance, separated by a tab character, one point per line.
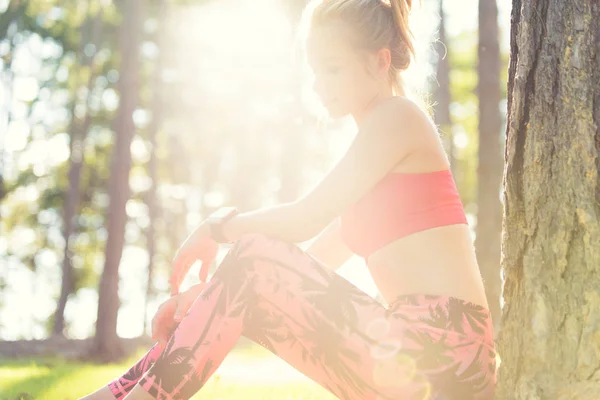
289	221
329	247
390	133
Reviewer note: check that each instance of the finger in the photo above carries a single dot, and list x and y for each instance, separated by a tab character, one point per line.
174	287
182	307
175	279
208	257
177	315
207	261
188	260
159	318
155	327
203	273
166	333
175	271
156	321
162	336
177	263
179	266
208	249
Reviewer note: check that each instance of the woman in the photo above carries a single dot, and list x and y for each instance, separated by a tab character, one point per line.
392	200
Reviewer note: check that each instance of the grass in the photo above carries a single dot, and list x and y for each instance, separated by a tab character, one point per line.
57	379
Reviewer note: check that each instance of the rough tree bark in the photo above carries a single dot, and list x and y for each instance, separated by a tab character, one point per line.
490	163
107	345
549	342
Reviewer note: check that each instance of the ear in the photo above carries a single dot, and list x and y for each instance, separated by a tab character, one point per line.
384	60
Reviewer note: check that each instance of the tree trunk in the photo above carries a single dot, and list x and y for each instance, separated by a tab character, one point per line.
107	345
441	92
155	123
14	11
490	163
78	135
550	252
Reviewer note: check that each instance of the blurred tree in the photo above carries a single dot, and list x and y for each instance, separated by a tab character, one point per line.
490	163
464	112
441	89
155	124
14	11
106	342
58	75
222	124
463	107
90	35
550	253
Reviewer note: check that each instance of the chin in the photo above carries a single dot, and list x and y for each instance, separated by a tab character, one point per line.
337	112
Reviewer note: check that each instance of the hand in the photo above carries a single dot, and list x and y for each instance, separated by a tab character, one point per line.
171	312
198	246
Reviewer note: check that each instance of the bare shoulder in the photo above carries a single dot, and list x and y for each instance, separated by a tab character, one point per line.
402	117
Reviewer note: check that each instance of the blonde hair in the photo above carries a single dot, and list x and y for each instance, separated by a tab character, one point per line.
375	24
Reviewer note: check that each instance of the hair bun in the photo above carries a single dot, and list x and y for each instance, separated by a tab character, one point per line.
401	55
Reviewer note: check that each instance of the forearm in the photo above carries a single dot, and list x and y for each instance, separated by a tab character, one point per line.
287	221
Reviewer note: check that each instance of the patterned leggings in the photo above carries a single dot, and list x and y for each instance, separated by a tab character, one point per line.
276	294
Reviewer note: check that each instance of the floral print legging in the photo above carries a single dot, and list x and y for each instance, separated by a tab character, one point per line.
274	293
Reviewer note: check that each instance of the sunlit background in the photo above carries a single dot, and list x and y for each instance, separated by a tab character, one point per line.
236	108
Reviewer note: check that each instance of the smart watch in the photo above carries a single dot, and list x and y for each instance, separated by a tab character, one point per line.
216	220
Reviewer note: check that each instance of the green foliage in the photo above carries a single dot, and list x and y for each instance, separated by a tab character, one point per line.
463	83
464	108
224	133
55	378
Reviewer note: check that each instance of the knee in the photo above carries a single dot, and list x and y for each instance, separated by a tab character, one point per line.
253	245
245	249
246	246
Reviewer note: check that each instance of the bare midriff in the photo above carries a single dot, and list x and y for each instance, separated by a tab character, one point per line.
436	261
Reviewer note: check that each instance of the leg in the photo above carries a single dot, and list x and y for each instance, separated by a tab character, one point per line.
125	383
315	320
284	299
173	364
349	343
207	333
236	302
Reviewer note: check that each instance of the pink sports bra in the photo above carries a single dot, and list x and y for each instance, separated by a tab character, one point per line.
399	205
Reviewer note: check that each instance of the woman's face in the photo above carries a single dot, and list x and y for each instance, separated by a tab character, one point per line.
342	80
